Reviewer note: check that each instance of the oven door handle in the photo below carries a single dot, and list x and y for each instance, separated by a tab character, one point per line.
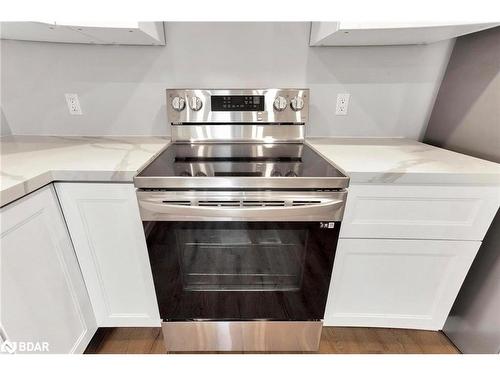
154	210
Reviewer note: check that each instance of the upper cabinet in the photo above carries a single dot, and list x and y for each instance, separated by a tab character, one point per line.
384	33
131	33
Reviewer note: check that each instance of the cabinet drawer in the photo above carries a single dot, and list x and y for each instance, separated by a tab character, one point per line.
397	283
419	212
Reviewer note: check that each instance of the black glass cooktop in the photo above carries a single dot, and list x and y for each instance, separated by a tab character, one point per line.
240	160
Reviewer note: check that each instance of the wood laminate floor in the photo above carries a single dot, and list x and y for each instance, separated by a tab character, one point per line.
334	340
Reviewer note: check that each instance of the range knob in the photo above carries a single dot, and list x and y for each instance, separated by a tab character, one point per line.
178	103
200	174
291	173
195	103
297	103
279	103
276	173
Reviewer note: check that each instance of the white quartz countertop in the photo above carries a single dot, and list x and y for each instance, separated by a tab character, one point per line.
30	162
404	161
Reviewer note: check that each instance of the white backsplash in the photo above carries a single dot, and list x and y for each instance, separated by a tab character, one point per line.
121	88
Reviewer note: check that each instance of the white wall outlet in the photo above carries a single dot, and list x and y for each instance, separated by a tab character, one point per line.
342	104
73	104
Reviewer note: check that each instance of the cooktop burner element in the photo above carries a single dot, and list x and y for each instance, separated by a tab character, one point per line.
226	165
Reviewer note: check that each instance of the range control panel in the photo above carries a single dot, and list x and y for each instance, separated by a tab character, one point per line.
242	106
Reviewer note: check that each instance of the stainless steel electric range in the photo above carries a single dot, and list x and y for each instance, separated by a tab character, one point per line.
241	220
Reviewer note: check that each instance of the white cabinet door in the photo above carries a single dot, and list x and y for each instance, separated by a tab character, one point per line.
388	33
396	283
128	32
104	223
42	294
419	212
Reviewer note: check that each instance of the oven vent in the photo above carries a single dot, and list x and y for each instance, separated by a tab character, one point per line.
178	203
218	203
304	203
241	203
262	203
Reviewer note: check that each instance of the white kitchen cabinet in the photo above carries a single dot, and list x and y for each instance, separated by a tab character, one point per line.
129	33
388	33
419	212
404	251
104	223
42	294
396	283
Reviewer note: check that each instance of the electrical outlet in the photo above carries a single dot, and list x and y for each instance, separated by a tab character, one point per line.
73	104
342	104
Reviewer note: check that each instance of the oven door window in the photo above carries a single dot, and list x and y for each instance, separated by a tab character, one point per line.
241	270
241	259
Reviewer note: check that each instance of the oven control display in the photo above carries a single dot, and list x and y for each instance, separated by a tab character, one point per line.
237	102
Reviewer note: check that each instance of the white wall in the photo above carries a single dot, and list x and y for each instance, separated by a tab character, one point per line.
4	125
466	117
121	88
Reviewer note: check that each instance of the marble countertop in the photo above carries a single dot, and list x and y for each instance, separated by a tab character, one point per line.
30	162
404	161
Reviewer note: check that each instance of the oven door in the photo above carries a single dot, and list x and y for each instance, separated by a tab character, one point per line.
266	262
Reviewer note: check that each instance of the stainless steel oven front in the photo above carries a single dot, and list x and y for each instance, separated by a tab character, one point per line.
241	269
241	219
